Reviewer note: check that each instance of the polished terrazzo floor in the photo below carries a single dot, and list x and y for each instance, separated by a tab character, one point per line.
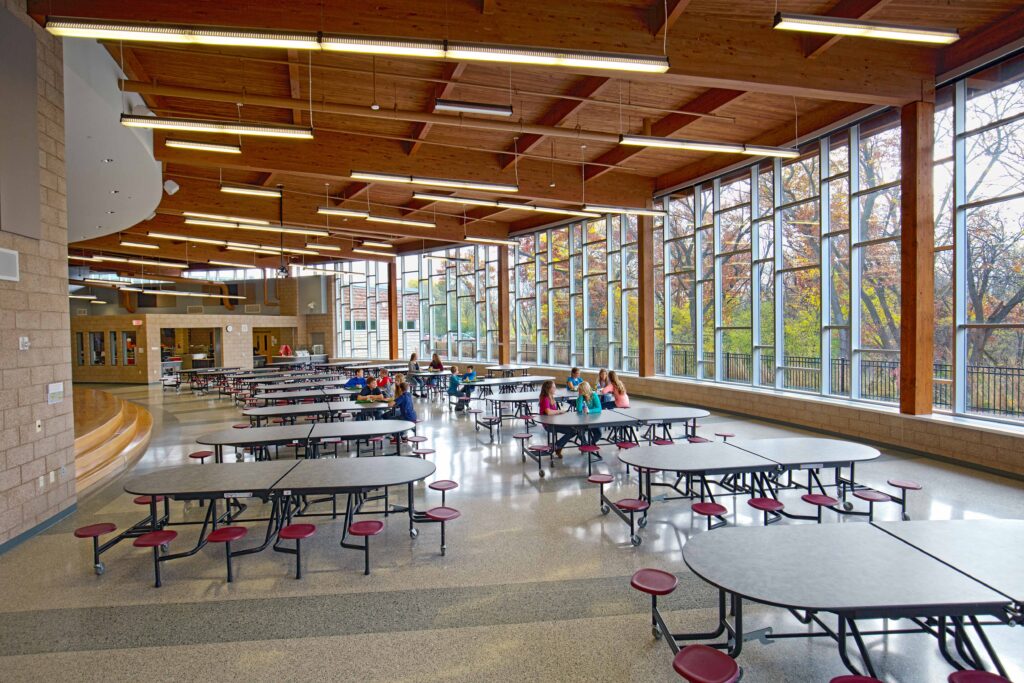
535	586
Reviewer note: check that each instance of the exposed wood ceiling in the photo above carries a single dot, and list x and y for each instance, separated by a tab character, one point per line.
732	79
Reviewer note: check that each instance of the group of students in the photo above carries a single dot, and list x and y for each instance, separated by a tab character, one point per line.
456	380
386	389
610	393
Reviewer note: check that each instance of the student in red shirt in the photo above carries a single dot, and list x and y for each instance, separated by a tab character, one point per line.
549	406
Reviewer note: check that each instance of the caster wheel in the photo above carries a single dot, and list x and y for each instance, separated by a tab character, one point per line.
541	474
99	568
164	548
847	506
605	509
413	533
635	540
444	551
906	517
642	523
656	632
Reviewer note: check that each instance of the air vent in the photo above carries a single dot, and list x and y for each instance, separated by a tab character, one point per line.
253	308
81	311
9	265
193	309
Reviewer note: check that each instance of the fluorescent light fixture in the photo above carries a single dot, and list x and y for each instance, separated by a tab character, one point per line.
400	221
97	301
322	247
250	245
171	33
493	240
219	217
251	191
312	232
463	107
204	146
229	264
254	250
600	208
197	295
209	223
129	289
185	238
339	211
565	212
782	152
861	28
371	252
87	259
213	126
373	45
139	245
448	199
373	176
379	245
87	297
305	252
113	259
679	143
537	56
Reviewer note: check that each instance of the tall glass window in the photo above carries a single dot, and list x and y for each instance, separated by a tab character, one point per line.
362	310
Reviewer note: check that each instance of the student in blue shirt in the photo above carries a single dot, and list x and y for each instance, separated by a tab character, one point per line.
357	381
588	403
573	381
371	392
401	406
454	389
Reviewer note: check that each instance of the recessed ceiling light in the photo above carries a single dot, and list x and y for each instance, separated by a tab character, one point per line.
107	161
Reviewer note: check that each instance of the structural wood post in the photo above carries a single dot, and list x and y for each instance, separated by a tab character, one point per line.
917	307
394	301
645	296
504	321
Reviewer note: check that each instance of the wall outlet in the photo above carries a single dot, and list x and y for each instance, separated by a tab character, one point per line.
39	425
63	471
23	344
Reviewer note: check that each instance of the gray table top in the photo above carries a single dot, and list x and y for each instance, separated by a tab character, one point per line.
561	394
853	569
807	451
299	385
207	371
663	413
307	393
359	430
505	368
505	381
430	373
359	405
289	410
989	550
378	366
606	418
214	479
256	436
354	473
705	458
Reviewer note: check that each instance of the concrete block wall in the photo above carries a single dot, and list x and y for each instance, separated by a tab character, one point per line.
37	467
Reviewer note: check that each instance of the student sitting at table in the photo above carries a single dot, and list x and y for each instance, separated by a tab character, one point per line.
549	406
414	363
607	400
573	381
384	382
617	390
435	363
357	381
454	390
371	392
414	368
588	403
401	406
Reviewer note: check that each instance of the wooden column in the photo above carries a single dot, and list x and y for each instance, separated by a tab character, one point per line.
917	308
504	319
394	301
645	296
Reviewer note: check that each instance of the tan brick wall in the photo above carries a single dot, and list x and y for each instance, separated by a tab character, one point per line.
37	307
987	445
325	323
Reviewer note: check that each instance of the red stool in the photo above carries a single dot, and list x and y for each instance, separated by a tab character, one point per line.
592	452
225	535
151	503
443	515
241	425
854	679
663	442
416	439
442	485
904	485
703	664
632	506
155	540
655	582
975	677
201	456
725	435
710	510
366	528
872	497
423	452
296	532
698	439
94	531
769	506
626	445
601	480
819	500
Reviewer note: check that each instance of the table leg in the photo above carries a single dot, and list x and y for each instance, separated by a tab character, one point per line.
413	532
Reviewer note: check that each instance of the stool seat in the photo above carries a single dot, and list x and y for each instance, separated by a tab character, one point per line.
200	455
94	530
416	439
226	534
443	485
725	435
294	532
442	514
703	664
627	444
590	448
854	679
872	496
632	504
523	437
540	448
600	479
654	581
240	425
819	499
420	452
698	439
152	539
474	411
369	527
663	442
146	500
709	509
905	484
765	504
975	677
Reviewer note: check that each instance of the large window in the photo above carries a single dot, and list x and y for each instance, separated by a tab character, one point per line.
362	310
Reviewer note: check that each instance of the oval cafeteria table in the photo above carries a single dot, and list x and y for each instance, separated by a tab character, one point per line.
257	438
664	417
358	431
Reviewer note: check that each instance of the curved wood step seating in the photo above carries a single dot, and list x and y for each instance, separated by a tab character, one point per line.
110	435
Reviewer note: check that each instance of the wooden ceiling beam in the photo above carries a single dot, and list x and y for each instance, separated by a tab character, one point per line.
295	84
656	15
132	67
815	45
451	72
977	45
556	115
707	102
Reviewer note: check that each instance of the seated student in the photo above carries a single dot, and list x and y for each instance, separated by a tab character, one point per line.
617	390
549	406
437	366
357	381
588	403
453	386
414	363
607	400
468	376
384	382
414	367
371	392
401	406
573	381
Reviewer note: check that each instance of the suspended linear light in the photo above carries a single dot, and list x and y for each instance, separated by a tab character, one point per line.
97	301
139	245
448	199
112	259
129	289
87	259
204	146
219	217
87	297
338	211
161	264
782	152
251	191
197	295
311	269
400	221
322	247
861	28
493	240
463	107
214	126
371	252
565	212
210	223
115	281
380	245
374	176
172	33
185	238
229	264
304	252
374	45
250	245
254	250
679	143
599	208
538	56
313	232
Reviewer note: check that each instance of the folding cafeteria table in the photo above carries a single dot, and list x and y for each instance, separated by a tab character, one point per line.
358	431
288	413
520	402
257	438
317	394
866	571
577	424
506	370
664	417
298	385
487	385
